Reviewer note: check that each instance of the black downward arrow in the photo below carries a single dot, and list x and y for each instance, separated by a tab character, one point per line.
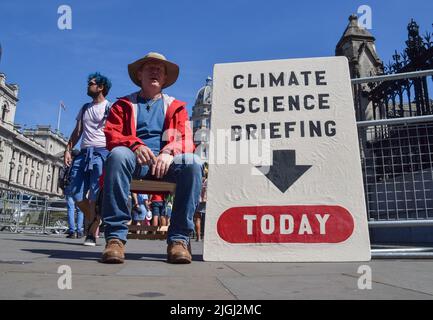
284	172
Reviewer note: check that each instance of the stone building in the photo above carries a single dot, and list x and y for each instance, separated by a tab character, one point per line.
201	113
30	159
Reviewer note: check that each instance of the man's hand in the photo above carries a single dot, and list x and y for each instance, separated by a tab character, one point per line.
163	162
145	156
67	158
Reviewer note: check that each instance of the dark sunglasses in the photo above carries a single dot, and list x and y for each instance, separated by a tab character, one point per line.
91	84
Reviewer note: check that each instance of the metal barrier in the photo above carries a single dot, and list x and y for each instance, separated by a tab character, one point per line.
22	212
397	162
56	216
10	208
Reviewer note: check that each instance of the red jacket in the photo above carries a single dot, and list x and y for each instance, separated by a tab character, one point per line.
120	129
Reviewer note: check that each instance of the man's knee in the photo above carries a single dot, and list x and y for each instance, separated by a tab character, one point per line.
120	156
191	162
196	165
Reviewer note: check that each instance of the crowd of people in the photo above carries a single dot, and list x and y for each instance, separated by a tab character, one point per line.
143	135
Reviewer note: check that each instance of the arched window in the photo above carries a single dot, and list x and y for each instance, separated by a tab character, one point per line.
32	174
20	168
37	182
4	112
26	171
47	187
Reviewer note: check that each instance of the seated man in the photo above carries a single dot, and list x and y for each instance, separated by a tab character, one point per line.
149	136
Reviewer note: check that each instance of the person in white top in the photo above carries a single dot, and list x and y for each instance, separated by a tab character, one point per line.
87	167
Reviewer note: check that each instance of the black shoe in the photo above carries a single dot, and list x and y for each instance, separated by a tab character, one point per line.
79	235
90	241
71	235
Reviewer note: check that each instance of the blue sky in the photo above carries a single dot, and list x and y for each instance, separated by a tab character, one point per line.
52	65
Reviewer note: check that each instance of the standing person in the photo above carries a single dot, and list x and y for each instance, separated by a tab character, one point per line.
88	165
149	215
168	207
148	220
149	136
75	230
139	208
158	211
200	213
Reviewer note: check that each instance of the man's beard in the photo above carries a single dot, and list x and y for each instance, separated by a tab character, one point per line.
92	94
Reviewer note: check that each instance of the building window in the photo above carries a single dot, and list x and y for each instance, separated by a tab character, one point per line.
26	171
32	174
37	181
20	168
5	110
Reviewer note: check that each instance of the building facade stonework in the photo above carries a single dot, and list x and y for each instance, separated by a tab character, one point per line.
30	159
201	113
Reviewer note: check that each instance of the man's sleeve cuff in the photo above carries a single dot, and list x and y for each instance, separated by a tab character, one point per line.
134	146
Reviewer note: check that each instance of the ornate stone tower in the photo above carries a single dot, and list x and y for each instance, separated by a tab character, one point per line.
358	45
201	112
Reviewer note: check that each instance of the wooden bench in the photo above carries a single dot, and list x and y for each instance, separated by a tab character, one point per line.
150	187
148	232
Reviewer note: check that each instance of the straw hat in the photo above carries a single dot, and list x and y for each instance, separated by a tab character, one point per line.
172	68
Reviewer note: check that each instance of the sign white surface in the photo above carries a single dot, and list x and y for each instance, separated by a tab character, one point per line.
303	199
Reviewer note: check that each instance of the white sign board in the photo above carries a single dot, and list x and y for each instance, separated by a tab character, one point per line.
285	180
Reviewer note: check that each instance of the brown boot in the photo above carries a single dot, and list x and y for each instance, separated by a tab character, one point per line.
179	253
114	252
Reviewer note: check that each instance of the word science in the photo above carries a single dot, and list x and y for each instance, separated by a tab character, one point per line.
287	107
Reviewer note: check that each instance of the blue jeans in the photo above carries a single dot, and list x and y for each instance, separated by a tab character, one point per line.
121	167
71	216
85	172
139	216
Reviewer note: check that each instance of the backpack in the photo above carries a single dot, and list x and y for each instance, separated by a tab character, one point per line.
64	179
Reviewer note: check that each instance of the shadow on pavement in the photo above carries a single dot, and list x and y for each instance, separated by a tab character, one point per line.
86	255
51	241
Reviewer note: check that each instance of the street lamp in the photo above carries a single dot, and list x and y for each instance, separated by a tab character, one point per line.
12	166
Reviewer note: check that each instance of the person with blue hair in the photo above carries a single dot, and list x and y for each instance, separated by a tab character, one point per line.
88	165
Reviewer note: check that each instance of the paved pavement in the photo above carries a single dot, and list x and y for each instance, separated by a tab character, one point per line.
29	270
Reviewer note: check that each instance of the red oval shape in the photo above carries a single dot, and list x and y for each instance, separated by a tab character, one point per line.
286	224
